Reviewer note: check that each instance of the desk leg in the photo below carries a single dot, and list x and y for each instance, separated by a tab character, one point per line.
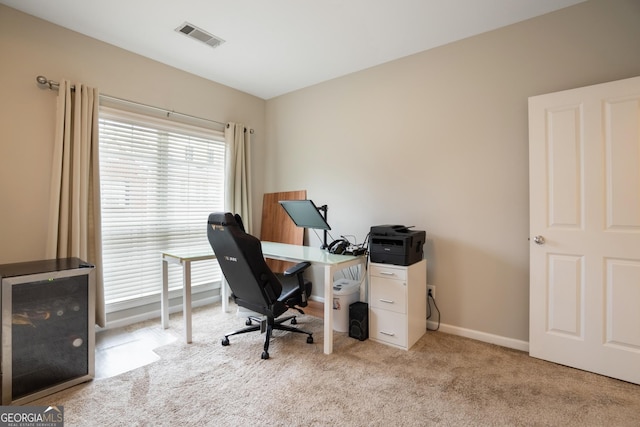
164	304
328	309
186	298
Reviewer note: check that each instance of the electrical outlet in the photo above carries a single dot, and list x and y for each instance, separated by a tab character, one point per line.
431	290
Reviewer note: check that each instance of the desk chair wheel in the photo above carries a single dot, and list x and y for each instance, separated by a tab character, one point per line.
294	321
225	341
248	322
265	355
309	339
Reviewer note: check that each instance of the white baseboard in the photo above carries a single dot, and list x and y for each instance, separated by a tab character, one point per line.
154	313
449	329
316	298
469	333
482	336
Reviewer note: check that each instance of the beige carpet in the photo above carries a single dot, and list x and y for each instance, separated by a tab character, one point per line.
443	380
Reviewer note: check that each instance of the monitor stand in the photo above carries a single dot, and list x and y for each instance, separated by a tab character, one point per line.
323	210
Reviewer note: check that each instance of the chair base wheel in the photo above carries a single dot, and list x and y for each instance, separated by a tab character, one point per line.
265	355
294	321
309	339
225	341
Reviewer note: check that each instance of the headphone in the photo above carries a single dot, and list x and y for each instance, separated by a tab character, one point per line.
338	246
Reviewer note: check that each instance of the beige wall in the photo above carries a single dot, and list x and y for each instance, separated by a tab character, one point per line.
30	47
439	140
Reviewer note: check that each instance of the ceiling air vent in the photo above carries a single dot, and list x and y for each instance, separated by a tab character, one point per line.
199	34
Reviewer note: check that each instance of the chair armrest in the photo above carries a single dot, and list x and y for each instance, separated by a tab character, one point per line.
297	269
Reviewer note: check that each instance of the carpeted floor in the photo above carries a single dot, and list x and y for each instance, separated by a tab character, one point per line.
443	380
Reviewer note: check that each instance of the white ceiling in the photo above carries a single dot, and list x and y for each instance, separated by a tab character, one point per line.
276	46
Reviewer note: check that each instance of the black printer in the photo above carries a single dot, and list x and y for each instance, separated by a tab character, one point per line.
396	244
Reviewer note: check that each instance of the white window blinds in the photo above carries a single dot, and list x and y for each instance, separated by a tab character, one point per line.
159	182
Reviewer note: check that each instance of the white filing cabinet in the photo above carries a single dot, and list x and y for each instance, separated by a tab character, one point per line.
397	303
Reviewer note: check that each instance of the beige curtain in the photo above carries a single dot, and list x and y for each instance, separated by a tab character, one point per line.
238	176
74	220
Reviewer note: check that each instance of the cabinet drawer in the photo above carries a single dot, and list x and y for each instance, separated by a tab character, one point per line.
388	294
388	327
388	271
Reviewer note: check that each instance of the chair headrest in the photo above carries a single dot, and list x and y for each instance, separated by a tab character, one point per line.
239	221
223	218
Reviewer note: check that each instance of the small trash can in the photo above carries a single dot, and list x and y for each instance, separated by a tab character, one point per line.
345	292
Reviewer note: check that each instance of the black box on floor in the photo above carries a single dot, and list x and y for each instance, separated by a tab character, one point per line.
359	320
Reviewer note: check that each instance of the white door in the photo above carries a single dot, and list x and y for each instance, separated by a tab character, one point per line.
584	171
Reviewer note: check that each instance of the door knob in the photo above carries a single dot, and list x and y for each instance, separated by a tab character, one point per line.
539	240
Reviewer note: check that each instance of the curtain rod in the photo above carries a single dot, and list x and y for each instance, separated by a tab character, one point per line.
52	85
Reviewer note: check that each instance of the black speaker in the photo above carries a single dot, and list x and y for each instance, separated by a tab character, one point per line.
359	320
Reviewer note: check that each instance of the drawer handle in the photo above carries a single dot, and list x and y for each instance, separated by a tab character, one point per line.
386	273
388	301
391	334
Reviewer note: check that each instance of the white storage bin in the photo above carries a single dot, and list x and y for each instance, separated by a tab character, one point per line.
345	292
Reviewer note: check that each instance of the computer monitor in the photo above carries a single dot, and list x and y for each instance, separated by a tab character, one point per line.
304	213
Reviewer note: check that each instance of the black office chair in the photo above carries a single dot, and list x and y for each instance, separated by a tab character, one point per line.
290	279
253	284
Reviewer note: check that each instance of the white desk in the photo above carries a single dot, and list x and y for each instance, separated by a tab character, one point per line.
184	258
282	251
331	262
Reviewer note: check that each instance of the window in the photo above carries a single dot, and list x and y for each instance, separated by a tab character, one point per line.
159	182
